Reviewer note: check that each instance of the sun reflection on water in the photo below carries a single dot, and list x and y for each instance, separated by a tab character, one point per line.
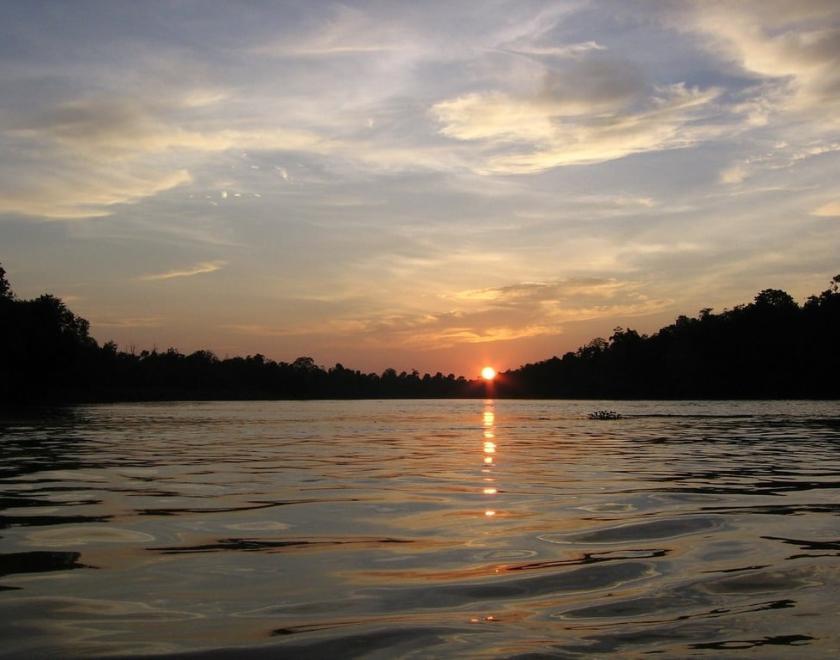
489	450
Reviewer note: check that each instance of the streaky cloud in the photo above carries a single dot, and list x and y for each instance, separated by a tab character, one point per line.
597	112
199	269
828	210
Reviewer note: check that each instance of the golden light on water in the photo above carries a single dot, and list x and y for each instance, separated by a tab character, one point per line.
488	373
489	444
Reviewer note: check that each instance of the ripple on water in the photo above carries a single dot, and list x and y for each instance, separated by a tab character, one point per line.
90	609
766	581
688	602
83	535
609	507
500	555
680	535
276	545
258	526
396	641
588	578
657	529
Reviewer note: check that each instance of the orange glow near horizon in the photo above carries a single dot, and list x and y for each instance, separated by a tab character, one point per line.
488	373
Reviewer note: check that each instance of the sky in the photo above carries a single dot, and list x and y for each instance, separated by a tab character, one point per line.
429	185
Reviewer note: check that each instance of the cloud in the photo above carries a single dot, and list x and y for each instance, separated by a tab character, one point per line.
592	111
124	127
545	291
129	322
795	44
62	192
343	31
82	157
198	269
566	50
594	85
515	311
782	155
828	210
734	173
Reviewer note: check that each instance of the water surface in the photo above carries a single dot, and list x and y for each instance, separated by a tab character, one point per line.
421	529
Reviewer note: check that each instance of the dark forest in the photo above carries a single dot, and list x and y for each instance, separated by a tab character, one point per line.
772	347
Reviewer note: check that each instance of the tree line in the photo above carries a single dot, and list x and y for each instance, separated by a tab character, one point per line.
770	348
47	355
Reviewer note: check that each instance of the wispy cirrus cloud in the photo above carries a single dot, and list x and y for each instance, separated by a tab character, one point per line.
123	127
795	45
828	210
591	110
128	322
62	191
564	50
81	158
515	311
343	31
198	269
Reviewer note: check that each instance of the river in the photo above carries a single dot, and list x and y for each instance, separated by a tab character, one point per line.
424	529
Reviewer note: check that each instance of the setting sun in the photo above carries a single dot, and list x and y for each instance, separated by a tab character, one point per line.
488	373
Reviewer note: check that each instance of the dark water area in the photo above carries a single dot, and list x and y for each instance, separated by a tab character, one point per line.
422	529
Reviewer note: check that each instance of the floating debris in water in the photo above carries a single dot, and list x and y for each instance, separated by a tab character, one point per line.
604	414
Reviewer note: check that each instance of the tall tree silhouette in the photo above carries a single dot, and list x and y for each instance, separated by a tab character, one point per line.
5	289
771	347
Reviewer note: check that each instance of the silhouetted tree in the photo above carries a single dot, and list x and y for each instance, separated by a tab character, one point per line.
770	347
5	289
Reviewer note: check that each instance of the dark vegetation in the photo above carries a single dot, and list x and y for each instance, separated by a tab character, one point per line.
770	348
